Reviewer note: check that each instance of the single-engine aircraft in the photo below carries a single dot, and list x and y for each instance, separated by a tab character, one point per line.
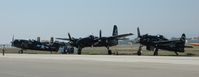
36	45
93	41
154	43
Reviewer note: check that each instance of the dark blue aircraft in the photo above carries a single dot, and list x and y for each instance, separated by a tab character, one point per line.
37	45
93	41
154	43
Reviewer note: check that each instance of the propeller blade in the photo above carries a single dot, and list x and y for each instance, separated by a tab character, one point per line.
138	31
69	37
13	38
12	41
100	34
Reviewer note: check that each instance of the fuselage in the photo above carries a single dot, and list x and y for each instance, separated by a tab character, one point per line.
93	41
160	42
35	45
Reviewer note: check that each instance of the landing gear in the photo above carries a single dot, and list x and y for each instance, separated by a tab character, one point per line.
139	52
70	50
51	50
176	53
109	51
79	50
156	52
20	51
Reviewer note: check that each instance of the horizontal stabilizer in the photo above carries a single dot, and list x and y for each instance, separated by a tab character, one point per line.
120	36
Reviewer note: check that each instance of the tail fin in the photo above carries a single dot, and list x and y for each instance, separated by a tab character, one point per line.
115	30
138	31
181	45
183	38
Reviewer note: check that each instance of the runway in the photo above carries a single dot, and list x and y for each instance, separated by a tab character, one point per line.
46	65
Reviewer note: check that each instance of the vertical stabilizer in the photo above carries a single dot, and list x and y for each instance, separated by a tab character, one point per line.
183	38
115	30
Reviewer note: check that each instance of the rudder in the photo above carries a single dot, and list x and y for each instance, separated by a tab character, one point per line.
115	30
183	38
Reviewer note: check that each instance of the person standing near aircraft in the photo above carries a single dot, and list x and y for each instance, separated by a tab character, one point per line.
3	50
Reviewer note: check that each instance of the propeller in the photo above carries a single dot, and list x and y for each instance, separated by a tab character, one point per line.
139	52
98	40
69	37
100	34
13	38
137	40
71	40
138	31
12	41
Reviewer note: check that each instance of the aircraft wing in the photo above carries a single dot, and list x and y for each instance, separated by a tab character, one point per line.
63	39
157	42
187	46
120	36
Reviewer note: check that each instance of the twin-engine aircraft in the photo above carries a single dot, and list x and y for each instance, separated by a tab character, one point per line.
93	41
152	43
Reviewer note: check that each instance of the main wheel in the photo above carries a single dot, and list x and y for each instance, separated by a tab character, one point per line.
21	51
79	52
176	53
156	50
139	53
155	53
109	52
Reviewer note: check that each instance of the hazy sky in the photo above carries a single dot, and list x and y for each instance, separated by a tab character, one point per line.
28	19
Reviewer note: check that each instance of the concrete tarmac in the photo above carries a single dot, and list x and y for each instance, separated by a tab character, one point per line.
45	65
